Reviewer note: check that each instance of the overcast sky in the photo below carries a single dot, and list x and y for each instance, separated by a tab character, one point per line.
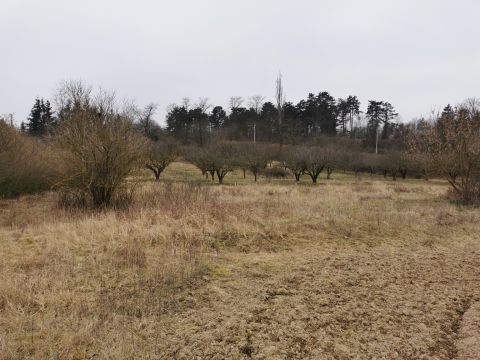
416	54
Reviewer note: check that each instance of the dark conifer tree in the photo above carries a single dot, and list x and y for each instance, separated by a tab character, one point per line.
375	118
41	118
217	118
327	113
353	106
268	121
343	114
48	120
448	112
389	114
178	123
34	124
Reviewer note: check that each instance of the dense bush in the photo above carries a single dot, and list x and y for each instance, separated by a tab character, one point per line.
450	148
26	164
275	172
99	149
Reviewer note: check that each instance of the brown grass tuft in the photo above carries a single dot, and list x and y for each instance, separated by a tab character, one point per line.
130	255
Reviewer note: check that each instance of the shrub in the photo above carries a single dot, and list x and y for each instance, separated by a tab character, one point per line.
275	172
26	164
99	148
450	148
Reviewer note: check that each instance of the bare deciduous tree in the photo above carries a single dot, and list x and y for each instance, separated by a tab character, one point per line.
334	159
293	158
99	146
256	103
219	159
450	148
255	158
159	156
235	102
145	118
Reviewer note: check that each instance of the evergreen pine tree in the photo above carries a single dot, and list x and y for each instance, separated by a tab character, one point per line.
41	118
389	114
353	106
34	123
48	120
375	118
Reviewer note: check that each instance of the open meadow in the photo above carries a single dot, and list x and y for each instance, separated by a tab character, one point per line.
349	268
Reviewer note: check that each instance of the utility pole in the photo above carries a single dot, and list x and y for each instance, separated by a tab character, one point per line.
376	140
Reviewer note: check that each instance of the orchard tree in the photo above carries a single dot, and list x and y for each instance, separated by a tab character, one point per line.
315	161
255	158
223	159
293	158
159	155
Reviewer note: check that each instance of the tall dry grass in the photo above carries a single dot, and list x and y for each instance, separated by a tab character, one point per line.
85	284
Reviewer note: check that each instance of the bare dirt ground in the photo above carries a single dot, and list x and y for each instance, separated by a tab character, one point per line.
348	269
330	302
468	343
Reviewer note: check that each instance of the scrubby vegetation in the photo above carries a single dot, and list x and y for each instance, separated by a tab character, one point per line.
164	273
450	148
91	147
338	234
26	165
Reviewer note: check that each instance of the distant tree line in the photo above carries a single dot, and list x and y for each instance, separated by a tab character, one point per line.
255	120
252	119
101	143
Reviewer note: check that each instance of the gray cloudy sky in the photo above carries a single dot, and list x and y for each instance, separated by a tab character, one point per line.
415	54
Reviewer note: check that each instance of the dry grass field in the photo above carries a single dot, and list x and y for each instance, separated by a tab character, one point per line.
347	269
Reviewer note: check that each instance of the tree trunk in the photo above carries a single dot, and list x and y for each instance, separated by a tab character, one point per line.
220	177
255	176
297	176
329	172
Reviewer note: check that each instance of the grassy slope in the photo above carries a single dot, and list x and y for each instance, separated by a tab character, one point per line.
270	270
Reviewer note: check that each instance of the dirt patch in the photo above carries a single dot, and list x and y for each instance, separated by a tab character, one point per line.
329	302
468	342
